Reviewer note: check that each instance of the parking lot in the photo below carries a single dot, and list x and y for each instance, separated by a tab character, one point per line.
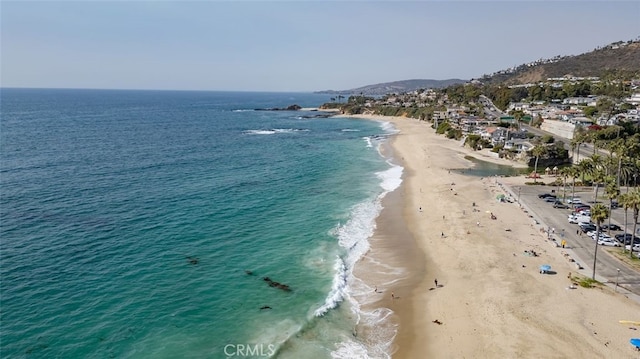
582	246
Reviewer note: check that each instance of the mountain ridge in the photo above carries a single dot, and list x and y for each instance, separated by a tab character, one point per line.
395	87
617	57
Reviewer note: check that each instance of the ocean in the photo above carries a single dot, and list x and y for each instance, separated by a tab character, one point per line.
177	224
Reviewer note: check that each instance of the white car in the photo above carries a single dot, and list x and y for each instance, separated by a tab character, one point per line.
575	200
585	212
603	236
609	243
636	247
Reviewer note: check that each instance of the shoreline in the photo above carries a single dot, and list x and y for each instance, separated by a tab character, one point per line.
491	301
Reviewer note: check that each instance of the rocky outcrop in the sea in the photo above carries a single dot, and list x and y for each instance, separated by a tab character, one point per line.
288	108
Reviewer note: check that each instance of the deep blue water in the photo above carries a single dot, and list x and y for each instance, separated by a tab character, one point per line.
141	224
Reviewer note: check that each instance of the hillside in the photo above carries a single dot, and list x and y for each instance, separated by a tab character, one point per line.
620	56
395	87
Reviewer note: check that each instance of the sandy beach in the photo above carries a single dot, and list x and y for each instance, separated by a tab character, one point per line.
490	301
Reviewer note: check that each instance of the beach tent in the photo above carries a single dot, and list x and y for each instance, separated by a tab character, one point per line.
545	268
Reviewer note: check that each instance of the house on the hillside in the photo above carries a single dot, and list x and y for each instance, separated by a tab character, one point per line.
581	121
439	115
518	106
518	145
580	100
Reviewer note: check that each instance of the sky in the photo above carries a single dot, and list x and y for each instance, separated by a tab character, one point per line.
291	45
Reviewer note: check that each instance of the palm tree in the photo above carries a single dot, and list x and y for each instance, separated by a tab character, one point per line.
574	173
537	151
626	172
633	200
613	191
565	172
625	201
584	168
618	146
578	139
598	214
597	173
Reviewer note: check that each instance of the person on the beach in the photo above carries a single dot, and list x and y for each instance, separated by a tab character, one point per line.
436	282
393	295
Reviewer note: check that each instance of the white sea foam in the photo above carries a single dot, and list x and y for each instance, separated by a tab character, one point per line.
336	295
388	127
350	130
377	330
259	132
349	349
274	131
391	178
240	110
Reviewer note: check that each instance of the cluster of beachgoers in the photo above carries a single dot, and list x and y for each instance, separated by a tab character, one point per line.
489	299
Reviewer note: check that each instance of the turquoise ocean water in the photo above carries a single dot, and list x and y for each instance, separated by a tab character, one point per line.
142	224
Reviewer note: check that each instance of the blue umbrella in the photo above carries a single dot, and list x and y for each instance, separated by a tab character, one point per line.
635	342
545	268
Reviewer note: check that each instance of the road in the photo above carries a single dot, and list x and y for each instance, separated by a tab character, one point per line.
582	246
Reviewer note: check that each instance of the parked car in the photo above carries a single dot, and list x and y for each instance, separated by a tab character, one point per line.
614	205
550	199
545	195
574	200
580	219
636	247
626	238
613	227
581	207
620	236
587	228
609	243
603	236
558	204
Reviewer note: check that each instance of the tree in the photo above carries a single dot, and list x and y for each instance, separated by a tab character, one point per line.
537	151
613	191
565	172
619	148
574	173
578	139
631	200
598	214
584	168
597	173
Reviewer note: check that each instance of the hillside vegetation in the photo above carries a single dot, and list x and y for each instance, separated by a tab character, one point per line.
617	59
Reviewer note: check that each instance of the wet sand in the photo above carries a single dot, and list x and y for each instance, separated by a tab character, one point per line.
491	300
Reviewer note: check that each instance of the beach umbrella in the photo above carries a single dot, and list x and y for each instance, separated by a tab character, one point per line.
635	342
500	196
545	268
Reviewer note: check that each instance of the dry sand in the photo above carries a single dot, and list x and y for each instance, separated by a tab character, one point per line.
491	299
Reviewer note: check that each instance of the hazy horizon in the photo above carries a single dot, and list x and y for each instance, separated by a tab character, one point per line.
301	46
